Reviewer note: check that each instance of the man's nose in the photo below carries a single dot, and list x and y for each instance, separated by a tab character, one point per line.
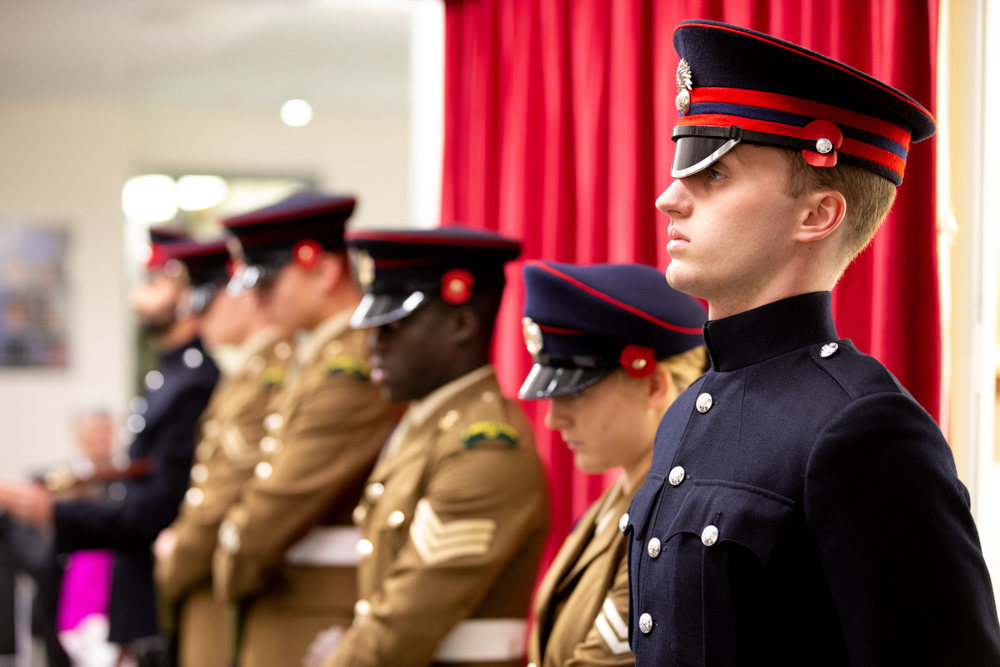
675	200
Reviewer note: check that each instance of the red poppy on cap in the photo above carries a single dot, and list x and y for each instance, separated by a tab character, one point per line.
828	138
638	361
306	254
456	286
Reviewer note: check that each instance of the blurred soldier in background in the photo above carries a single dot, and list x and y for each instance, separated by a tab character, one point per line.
230	430
456	512
286	551
613	347
135	510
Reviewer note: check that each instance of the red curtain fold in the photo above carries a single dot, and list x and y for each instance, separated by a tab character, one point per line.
558	116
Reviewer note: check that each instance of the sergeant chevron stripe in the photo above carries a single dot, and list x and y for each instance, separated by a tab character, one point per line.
437	541
612	628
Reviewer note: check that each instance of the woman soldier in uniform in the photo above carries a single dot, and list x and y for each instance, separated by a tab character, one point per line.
613	346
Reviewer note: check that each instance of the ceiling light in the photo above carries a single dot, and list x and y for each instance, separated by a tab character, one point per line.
296	113
195	193
150	198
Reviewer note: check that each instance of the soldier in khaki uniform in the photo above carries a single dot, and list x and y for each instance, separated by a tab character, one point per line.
287	549
230	430
455	514
613	347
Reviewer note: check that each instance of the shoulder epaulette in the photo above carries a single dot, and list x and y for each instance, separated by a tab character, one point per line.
271	376
345	363
489	430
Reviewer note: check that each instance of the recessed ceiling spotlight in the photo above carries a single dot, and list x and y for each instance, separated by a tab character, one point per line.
296	113
150	198
195	193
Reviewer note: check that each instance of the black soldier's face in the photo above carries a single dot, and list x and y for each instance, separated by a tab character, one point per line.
732	225
410	356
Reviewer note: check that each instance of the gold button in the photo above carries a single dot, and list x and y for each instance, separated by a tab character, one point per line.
194	496
204	450
362	608
273	421
270	445
229	537
359	514
212	428
395	519
449	420
263	470
365	548
199	473
332	349
256	364
282	350
488	397
374	492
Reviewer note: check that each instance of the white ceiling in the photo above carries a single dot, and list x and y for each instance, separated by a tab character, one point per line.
340	55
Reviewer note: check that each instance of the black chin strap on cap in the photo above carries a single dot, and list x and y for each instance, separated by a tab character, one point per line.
701	146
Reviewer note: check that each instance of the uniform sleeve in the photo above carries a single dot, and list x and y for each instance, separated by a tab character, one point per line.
331	443
150	503
606	642
480	507
897	540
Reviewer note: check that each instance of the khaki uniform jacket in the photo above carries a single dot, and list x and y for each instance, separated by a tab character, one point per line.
581	609
280	552
230	428
454	516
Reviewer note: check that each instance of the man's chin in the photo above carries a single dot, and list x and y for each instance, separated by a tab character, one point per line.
680	277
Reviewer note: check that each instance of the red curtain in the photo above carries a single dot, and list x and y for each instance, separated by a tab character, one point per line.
558	116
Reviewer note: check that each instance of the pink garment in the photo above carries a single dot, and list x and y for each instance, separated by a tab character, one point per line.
86	587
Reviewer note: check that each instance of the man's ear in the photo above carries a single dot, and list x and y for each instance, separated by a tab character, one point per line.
463	325
824	214
332	267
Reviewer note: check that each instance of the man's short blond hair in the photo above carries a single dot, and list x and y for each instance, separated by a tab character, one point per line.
869	196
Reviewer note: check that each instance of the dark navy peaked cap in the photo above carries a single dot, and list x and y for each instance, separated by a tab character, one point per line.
401	269
160	240
207	264
295	229
741	86
581	323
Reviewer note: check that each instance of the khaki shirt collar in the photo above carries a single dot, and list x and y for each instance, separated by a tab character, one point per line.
258	342
327	330
420	411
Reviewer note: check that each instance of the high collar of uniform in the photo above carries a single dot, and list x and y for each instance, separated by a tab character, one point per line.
770	330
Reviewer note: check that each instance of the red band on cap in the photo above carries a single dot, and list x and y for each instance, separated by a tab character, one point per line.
797	105
456	286
638	361
305	253
848	146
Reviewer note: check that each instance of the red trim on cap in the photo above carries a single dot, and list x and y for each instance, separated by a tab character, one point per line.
405	237
559	330
613	301
186	249
849	147
289	214
817	58
797	105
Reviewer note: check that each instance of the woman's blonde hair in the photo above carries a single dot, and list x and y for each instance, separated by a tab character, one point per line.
687	367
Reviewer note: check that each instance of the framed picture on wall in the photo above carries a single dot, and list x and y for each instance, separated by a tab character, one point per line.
33	295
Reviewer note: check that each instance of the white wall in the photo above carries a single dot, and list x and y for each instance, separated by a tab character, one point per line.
65	162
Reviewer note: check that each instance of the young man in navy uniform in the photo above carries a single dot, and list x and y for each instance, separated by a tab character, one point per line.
135	510
802	509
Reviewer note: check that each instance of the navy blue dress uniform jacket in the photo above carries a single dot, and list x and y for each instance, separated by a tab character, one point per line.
129	522
802	509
